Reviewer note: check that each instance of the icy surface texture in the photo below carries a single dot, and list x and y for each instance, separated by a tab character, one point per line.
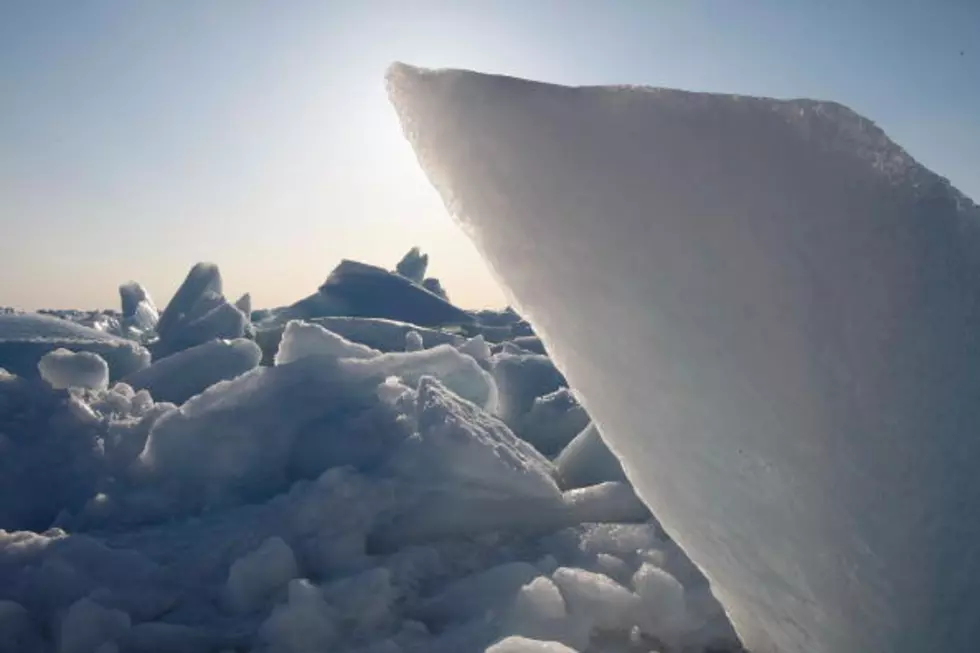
63	369
179	377
25	338
413	265
792	380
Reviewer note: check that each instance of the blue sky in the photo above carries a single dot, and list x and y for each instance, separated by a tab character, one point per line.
138	137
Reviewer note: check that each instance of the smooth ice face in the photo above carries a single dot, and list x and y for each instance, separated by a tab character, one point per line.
771	311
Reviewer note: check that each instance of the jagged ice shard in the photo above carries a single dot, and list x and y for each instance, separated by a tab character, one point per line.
772	312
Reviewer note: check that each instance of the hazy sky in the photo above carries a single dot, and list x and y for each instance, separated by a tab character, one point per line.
138	137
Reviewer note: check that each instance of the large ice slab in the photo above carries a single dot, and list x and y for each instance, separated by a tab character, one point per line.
360	290
25	338
771	311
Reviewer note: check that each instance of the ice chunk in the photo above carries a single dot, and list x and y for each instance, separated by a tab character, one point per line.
792	377
25	338
605	502
413	265
65	369
198	312
517	644
361	290
532	344
459	372
244	304
413	341
301	339
255	578
587	461
224	321
538	612
458	441
434	286
203	278
553	421
383	335
476	347
597	597
663	612
179	377
521	379
252	436
477	593
137	306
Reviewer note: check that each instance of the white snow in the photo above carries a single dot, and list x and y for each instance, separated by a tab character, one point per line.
64	369
770	310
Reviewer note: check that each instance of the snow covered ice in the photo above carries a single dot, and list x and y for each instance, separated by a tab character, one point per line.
339	483
770	311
